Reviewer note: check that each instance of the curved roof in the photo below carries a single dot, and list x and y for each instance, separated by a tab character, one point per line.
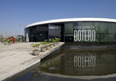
71	20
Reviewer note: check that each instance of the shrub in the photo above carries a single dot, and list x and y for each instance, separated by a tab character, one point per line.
35	46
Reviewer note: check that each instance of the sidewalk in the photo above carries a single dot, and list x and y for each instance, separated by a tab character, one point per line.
17	57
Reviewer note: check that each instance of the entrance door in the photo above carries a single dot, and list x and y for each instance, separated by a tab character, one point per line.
42	35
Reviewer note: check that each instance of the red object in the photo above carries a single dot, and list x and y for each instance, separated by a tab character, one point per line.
12	39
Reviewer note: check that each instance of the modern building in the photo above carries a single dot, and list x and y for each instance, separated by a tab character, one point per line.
73	30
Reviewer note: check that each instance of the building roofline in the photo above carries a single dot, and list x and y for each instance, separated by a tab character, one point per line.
71	20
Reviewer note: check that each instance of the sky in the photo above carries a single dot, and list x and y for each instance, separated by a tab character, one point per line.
16	12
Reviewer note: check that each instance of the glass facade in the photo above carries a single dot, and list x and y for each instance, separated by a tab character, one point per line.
42	32
68	32
54	31
104	31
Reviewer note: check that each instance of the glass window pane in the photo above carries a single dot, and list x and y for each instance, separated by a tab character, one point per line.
69	28
111	28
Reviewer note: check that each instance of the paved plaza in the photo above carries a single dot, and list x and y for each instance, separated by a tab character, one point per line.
18	57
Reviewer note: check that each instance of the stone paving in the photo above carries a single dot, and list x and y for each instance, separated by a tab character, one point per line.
18	57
